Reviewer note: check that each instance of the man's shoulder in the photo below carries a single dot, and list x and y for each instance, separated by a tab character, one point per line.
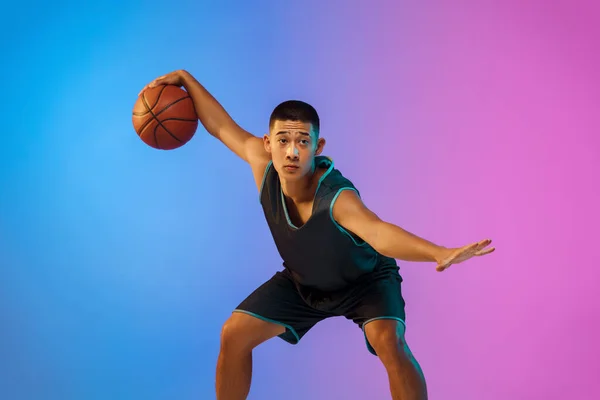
333	179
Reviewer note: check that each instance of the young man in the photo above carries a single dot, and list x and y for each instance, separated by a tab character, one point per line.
339	257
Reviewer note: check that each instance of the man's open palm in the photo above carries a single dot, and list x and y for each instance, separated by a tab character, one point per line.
458	255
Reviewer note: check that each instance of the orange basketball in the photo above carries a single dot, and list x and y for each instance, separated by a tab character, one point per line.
164	117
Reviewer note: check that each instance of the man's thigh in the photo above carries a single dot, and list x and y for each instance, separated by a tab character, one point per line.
277	301
380	298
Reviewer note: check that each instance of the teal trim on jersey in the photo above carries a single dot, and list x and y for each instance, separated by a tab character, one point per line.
369	347
321	179
285	211
286	326
262	184
341	228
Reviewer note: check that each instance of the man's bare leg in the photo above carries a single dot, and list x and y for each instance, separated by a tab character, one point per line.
406	378
241	333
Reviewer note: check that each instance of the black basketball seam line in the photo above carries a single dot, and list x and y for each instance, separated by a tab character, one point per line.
160	112
161	124
152	114
155	137
180	119
143	127
157	120
165	120
147	123
166	130
146	104
149	109
162	89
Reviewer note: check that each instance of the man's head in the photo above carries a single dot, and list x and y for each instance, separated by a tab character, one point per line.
293	138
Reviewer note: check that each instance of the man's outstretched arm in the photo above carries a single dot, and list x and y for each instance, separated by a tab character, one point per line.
392	241
215	118
219	123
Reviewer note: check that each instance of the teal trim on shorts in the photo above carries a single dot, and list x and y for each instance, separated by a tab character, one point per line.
286	326
341	228
369	347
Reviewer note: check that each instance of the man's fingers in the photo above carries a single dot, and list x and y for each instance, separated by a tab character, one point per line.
148	86
465	253
156	82
484	243
442	267
485	251
470	249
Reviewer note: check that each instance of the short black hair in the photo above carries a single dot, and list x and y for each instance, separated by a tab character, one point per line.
295	110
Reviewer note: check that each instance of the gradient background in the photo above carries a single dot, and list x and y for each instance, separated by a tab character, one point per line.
456	120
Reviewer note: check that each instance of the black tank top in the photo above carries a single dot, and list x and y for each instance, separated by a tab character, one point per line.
320	254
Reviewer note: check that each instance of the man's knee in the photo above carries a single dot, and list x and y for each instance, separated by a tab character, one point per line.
386	336
244	332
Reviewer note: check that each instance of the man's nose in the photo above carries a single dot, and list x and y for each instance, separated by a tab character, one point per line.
292	152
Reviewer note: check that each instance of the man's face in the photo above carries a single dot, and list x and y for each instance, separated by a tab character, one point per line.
293	146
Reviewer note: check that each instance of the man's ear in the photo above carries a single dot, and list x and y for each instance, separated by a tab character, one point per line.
267	142
320	146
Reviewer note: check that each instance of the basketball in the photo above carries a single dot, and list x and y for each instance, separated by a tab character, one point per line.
164	117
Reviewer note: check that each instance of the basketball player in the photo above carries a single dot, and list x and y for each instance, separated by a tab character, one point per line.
338	256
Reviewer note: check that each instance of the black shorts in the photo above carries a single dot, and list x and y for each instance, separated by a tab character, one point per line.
282	301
